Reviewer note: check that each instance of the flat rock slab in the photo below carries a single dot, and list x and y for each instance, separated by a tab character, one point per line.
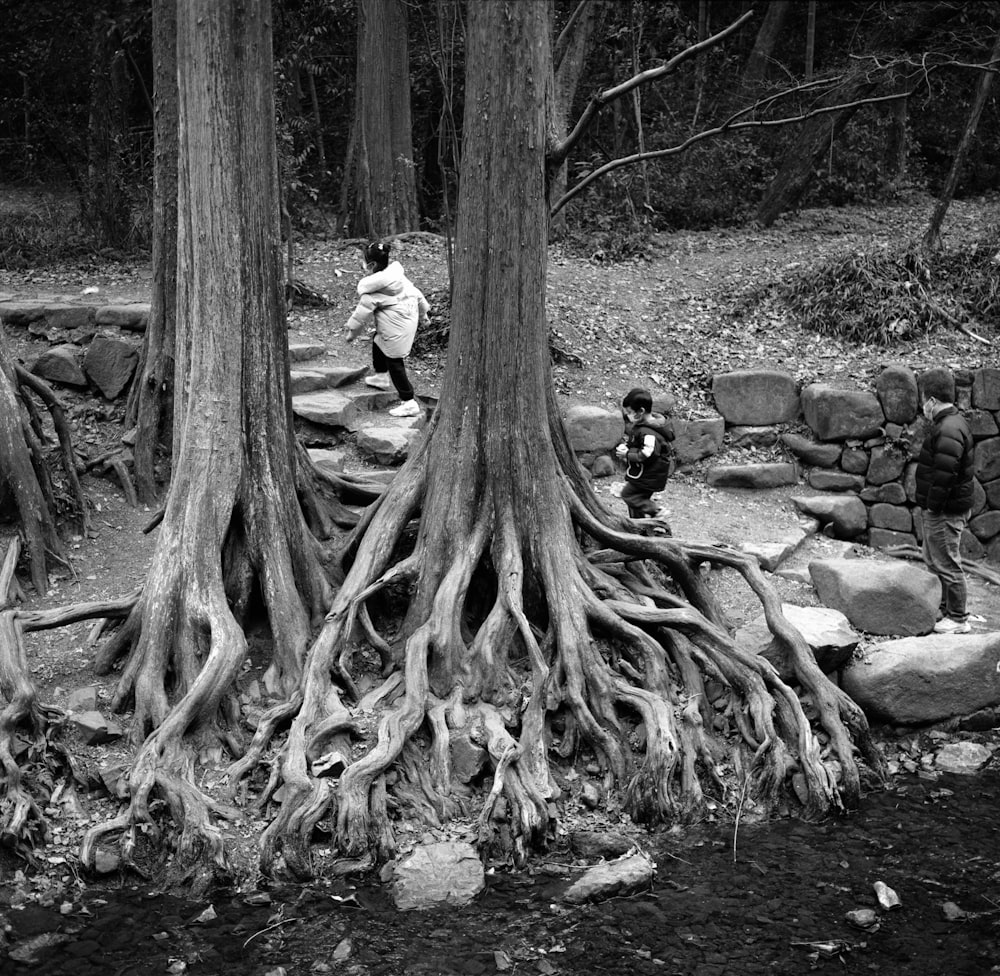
133	317
770	555
437	874
920	680
627	874
753	475
324	378
329	408
300	352
388	445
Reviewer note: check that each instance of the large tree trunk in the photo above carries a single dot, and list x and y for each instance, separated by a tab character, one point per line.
151	396
385	197
533	626
232	520
933	232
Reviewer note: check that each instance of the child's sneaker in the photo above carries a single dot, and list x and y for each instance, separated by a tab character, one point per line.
380	381
948	626
408	408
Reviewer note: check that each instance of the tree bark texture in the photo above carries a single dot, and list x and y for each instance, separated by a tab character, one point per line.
383	175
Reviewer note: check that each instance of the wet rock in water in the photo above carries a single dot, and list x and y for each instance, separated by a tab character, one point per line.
962	757
622	876
887	898
448	873
596	844
863	918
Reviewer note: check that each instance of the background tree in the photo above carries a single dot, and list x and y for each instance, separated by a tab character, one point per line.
150	400
381	172
933	232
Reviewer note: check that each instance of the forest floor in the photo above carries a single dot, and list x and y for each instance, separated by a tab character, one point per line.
669	320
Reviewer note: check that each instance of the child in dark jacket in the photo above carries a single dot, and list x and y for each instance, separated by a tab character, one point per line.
646	452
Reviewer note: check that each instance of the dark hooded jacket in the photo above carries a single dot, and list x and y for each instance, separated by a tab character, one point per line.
945	465
649	473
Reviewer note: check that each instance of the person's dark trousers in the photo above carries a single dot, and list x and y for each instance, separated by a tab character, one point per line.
942	554
639	501
396	368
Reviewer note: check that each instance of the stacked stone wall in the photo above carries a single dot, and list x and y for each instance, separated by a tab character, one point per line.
865	443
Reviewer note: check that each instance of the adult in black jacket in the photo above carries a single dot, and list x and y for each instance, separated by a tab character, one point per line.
944	492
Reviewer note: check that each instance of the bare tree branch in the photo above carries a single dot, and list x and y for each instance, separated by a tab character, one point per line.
558	153
726	127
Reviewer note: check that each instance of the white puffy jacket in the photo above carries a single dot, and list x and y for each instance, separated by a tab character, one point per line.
395	304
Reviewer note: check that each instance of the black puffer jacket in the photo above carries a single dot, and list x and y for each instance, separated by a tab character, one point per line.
945	465
649	473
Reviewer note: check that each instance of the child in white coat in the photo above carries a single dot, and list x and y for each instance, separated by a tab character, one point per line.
395	306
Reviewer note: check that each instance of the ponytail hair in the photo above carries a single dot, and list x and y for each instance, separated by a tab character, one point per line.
377	254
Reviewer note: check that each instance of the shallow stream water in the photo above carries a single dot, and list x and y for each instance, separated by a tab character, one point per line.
775	905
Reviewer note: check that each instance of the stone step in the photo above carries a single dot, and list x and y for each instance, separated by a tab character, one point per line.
300	352
324	378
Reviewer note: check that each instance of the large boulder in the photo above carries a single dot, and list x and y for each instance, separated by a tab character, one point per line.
697	439
878	596
828	633
919	680
896	387
760	475
438	874
837	415
845	514
110	364
593	429
60	364
756	396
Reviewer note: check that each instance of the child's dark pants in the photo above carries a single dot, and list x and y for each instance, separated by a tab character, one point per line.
396	368
639	501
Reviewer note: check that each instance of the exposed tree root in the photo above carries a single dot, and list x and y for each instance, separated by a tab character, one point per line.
525	642
22	464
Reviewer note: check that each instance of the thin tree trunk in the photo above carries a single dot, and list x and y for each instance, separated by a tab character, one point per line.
574	46
933	232
757	64
810	39
151	399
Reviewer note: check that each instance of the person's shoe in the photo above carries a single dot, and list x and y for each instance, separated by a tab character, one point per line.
948	626
380	381
408	408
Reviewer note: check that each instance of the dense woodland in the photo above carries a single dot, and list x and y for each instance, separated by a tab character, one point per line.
505	604
77	82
